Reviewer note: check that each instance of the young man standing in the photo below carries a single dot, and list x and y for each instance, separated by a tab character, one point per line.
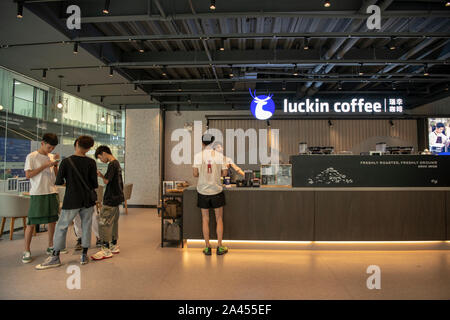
209	166
108	220
79	172
41	168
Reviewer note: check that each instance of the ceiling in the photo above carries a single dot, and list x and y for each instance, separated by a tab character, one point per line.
181	54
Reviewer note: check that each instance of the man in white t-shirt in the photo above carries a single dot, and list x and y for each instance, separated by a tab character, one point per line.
438	139
209	167
41	168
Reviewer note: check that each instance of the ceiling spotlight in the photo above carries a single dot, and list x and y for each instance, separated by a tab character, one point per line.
106	7
391	123
330	124
75	47
102	98
20	10
306	44
284	85
446	89
55	120
213	5
447	3
1	107
360	70
103	118
111	71
393	86
78	88
141	47
268	123
231	74
327	4
59	105
295	71
135	87
340	86
44	73
425	71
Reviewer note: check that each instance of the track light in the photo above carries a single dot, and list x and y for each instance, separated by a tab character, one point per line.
141	47
231	74
111	71
393	86
284	85
135	87
425	70
207	123
103	118
102	98
106	7
327	4
295	71
55	120
340	86
268	123
391	123
392	45
20	10
75	47
213	5
360	70
330	124
78	88
1	107
44	73
447	3
306	43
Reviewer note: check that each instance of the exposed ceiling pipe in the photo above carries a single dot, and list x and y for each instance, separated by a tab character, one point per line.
407	55
351	42
205	45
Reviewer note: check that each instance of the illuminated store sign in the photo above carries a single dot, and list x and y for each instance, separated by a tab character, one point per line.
352	105
262	106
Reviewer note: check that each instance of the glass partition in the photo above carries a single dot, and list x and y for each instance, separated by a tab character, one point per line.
28	109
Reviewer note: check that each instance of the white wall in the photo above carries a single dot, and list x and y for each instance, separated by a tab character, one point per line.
142	162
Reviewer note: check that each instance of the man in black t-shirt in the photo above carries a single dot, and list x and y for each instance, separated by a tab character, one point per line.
108	220
79	173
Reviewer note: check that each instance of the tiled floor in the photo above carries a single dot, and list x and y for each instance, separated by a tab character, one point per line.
144	270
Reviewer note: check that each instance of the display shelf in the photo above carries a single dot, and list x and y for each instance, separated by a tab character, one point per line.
162	211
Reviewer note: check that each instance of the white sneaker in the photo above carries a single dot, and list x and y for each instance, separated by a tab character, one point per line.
26	258
115	249
104	253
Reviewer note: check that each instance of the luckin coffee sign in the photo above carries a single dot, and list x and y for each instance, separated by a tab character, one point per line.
344	106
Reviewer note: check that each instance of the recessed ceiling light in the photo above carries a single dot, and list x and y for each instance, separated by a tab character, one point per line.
327	4
213	5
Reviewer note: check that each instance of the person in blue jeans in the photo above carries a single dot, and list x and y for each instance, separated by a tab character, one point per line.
79	173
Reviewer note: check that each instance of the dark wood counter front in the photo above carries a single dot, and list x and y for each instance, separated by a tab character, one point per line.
326	214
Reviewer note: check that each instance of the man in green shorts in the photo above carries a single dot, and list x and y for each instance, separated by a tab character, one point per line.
41	168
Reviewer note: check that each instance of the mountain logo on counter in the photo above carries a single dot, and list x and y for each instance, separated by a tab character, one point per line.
330	176
262	106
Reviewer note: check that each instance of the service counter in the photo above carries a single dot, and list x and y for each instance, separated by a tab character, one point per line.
326	214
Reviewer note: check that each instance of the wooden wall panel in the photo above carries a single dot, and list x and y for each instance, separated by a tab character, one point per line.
345	135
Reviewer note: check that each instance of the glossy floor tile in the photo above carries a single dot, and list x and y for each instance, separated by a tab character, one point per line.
144	270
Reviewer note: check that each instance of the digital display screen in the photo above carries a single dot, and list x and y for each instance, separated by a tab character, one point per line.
439	135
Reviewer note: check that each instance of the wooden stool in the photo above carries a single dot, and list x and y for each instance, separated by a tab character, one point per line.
11	227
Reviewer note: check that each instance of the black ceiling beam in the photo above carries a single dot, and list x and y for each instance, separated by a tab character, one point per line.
344	14
248	36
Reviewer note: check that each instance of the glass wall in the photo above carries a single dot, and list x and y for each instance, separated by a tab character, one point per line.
28	109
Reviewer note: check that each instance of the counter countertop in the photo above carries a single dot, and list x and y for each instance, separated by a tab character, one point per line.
333	189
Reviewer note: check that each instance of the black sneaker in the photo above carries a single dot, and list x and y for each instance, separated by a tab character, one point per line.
207	251
78	246
84	259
